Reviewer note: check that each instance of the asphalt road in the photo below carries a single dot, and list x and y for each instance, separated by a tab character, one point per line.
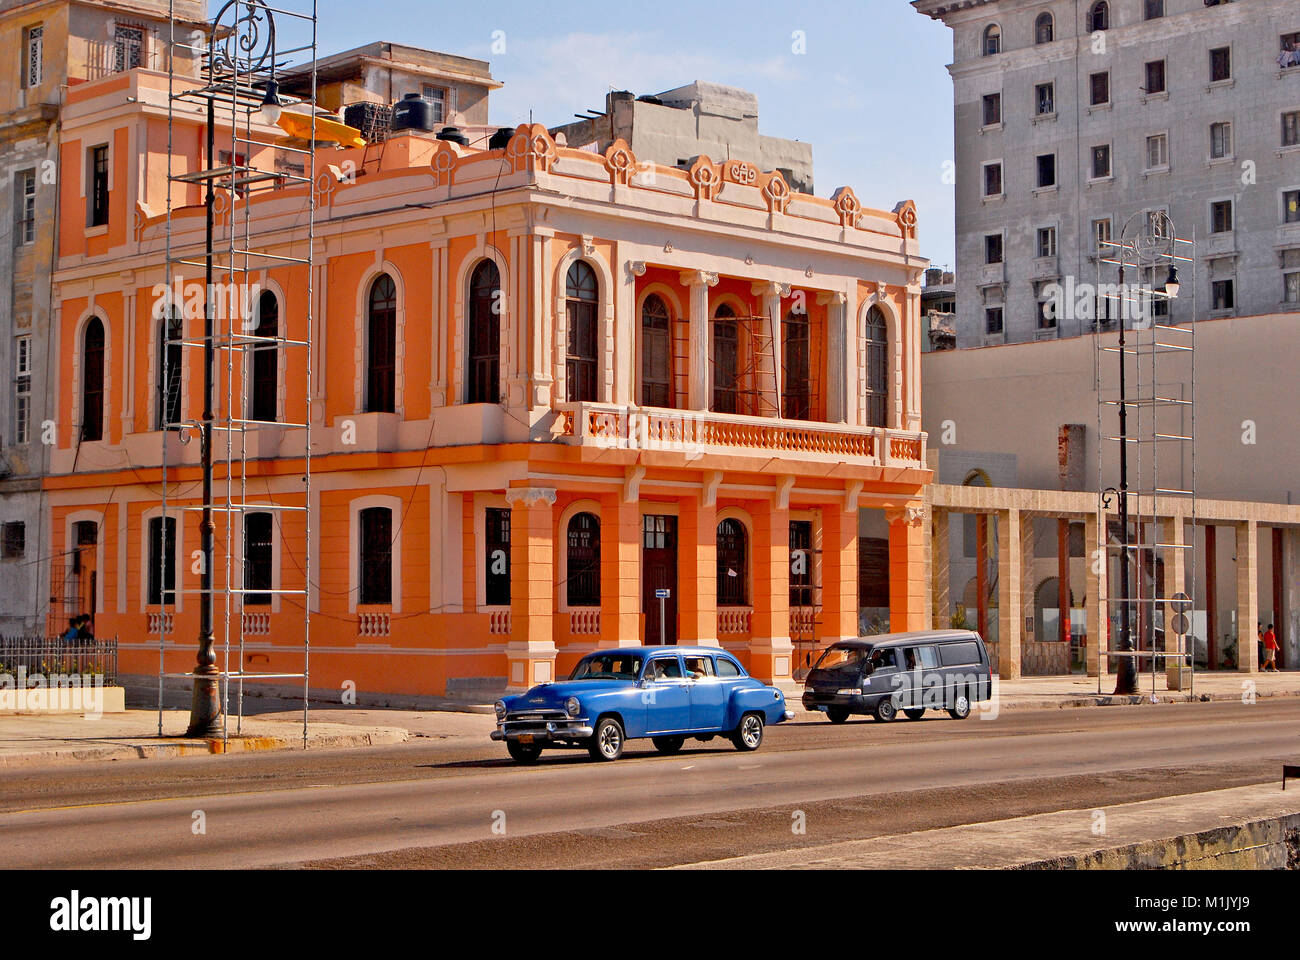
439	804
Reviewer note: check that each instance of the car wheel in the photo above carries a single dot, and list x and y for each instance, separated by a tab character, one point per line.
886	710
837	714
960	709
668	744
749	735
607	741
916	713
523	752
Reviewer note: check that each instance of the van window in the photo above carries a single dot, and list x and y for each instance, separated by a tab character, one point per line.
883	658
965	653
727	668
928	657
841	657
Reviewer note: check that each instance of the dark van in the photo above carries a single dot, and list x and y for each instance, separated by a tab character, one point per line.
908	672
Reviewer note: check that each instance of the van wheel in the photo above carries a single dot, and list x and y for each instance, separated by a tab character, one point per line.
668	744
886	711
522	752
749	735
916	713
960	709
837	714
607	741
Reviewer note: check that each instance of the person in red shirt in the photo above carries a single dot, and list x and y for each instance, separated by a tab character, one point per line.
1270	648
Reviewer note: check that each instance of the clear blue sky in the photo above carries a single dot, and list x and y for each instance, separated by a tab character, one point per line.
872	93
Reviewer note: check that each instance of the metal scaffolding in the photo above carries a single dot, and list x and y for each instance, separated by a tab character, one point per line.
1156	407
239	57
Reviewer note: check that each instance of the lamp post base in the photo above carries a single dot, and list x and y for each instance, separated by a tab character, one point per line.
205	709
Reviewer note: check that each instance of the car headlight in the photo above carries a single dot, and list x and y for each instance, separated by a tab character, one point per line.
500	708
847	692
573	706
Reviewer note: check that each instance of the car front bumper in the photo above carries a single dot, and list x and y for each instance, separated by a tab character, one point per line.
550	731
821	700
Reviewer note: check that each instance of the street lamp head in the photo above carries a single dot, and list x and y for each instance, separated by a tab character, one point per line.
1172	286
270	109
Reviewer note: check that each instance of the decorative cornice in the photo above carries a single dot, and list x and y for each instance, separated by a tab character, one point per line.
531	496
692	278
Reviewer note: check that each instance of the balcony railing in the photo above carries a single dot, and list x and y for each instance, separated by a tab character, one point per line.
637	428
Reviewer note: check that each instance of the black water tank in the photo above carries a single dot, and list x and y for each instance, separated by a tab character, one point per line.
413	112
501	139
454	135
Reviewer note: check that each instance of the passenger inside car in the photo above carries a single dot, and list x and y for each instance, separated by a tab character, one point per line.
697	668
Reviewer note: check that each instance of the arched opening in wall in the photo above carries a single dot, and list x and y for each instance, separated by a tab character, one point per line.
484	354
170	361
656	353
726	357
1099	17
381	346
92	380
796	378
259	563
876	388
375	556
1044	28
74	582
733	564
582	541
264	374
992	43
581	366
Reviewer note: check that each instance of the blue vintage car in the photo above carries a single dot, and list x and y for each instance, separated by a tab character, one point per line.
664	693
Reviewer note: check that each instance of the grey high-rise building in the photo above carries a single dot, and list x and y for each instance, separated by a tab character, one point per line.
1073	118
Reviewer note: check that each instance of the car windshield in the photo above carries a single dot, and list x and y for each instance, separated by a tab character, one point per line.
837	657
607	666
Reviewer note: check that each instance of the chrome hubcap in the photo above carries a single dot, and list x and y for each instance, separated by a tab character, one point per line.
962	704
752	731
609	740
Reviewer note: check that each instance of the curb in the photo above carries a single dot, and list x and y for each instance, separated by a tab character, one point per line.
168	748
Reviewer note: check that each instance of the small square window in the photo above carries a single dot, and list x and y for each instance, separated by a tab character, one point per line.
1101	161
1155	77
1101	232
1291	288
1221	216
13	540
1099	86
1047	170
993	320
993	248
1153	9
1045	99
1223	295
1220	141
1047	241
992	109
1291	129
993	180
1291	206
1157	151
1220	64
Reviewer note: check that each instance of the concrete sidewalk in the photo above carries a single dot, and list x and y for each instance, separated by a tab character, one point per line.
30	739
1243	828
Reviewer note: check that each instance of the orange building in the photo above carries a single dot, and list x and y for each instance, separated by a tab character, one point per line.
549	384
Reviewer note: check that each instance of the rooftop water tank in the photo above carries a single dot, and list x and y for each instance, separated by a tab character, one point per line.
454	135
501	139
413	112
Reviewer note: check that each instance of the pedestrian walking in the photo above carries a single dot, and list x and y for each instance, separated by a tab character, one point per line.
1270	649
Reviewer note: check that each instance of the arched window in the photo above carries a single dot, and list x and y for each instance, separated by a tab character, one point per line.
992	40
381	346
583	547
265	373
796	367
726	345
375	558
580	368
733	560
167	408
1044	28
1099	17
656	354
258	558
92	380
876	389
484	335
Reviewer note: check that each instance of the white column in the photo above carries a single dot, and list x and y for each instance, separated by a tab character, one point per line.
772	293
699	379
